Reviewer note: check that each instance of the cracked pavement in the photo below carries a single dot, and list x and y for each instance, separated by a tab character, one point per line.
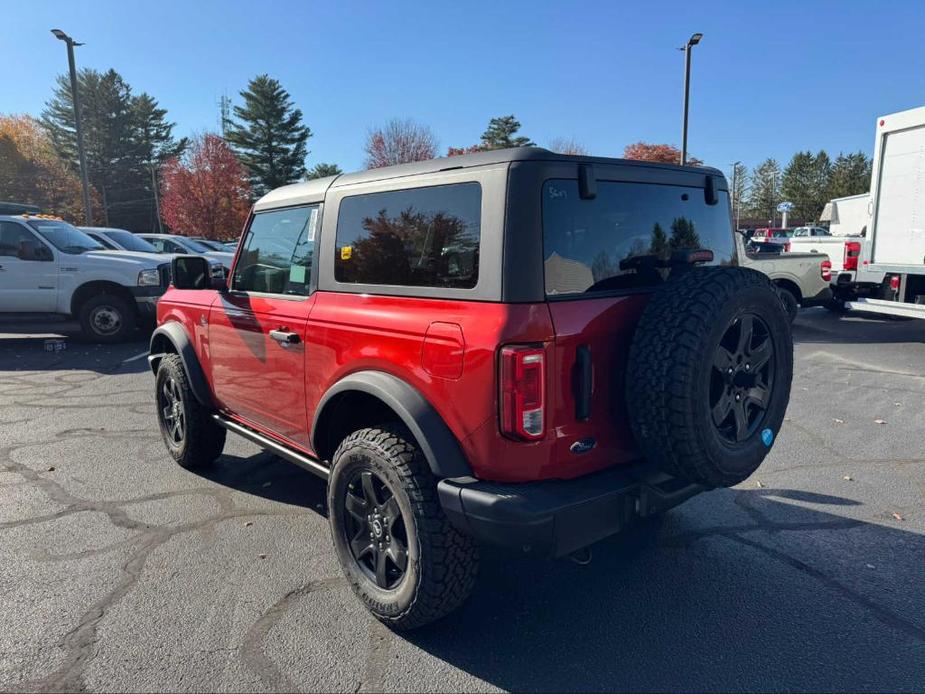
119	571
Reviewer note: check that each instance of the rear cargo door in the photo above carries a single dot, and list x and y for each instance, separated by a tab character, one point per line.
899	207
603	257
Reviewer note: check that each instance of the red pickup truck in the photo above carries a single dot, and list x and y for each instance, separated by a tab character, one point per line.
512	347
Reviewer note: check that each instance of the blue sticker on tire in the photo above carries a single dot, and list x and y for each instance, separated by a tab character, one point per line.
768	437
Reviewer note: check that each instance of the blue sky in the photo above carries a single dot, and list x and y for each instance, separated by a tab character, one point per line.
769	78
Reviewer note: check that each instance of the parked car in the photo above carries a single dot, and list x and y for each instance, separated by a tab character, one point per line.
123	240
774	235
804	232
802	279
512	347
211	244
174	243
48	268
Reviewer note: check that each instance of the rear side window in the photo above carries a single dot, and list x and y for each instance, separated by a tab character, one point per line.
278	252
622	238
420	237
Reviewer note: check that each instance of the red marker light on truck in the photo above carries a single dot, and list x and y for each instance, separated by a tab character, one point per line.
852	252
523	392
826	269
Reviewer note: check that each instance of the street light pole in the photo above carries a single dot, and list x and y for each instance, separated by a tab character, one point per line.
735	192
81	155
693	41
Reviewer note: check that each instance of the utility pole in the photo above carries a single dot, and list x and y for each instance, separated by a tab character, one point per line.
693	41
157	200
735	192
81	155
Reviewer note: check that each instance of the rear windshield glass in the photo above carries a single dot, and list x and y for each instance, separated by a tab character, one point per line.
129	241
623	237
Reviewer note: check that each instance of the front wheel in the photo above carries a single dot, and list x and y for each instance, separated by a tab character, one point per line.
107	318
402	557
189	433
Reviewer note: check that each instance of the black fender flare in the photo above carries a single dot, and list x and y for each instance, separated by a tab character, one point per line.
174	333
438	444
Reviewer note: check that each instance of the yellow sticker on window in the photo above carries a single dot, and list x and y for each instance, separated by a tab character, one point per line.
346	252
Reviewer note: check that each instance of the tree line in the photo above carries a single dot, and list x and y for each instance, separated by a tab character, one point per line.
808	181
204	185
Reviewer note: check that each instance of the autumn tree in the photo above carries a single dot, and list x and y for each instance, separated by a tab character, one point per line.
399	141
268	135
661	153
322	170
126	137
205	192
566	145
32	172
850	175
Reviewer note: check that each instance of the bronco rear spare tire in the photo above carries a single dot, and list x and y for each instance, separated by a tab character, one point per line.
708	376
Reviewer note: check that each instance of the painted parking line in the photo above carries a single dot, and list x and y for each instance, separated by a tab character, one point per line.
137	356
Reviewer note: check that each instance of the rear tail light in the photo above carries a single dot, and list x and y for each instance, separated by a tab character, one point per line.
894	283
852	252
826	269
523	392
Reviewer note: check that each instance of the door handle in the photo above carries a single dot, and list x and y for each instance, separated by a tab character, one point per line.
284	337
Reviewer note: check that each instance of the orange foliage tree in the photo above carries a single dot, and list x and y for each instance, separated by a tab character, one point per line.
206	191
664	154
31	171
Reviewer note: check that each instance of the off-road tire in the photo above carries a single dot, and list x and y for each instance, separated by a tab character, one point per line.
790	302
442	562
203	440
671	364
102	308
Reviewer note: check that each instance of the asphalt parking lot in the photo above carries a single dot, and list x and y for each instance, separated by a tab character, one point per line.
120	571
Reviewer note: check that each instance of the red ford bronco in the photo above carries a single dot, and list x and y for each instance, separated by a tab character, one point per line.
512	347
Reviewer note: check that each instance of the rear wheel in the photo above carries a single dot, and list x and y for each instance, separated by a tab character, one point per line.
403	559
709	375
790	302
189	433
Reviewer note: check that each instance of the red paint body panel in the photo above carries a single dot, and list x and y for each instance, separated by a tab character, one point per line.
606	326
446	349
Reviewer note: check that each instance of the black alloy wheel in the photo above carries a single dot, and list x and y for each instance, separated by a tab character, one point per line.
742	378
375	530
170	407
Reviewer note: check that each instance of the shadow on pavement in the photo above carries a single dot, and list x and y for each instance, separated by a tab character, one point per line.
39	354
819	326
737	590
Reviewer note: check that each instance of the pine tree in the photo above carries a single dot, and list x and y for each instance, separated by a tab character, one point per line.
659	243
850	175
805	184
268	135
500	134
739	194
322	171
124	137
683	234
764	190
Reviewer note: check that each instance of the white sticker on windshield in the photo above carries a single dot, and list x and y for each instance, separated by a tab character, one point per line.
312	223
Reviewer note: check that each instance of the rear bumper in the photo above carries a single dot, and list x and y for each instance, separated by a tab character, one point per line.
556	517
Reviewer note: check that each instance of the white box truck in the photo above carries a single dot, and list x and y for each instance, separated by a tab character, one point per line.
895	243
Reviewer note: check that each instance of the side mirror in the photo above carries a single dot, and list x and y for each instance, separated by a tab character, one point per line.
190	272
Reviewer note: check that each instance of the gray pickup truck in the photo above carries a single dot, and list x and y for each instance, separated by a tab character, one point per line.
802	279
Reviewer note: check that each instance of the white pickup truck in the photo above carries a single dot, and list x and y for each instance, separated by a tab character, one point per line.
48	267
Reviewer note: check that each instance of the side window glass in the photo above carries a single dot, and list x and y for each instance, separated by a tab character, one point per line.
278	252
17	242
418	237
